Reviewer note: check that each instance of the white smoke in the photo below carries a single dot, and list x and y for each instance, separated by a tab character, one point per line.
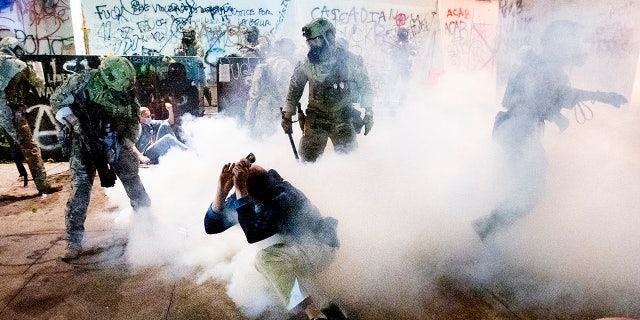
406	200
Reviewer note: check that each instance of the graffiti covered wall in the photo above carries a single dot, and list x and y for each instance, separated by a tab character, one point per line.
609	29
134	27
43	26
368	28
470	31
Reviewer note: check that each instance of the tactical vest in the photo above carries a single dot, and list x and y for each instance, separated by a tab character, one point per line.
330	87
107	110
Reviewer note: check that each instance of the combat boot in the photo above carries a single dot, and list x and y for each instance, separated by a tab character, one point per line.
50	189
72	252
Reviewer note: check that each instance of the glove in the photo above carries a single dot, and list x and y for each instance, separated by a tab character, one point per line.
286	125
612	98
368	122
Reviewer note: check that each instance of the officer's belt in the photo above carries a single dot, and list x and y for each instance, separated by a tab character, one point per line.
336	114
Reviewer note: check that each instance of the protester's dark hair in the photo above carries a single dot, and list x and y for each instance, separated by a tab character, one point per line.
264	185
258	183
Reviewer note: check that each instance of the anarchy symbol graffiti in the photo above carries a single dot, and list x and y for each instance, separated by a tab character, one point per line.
41	111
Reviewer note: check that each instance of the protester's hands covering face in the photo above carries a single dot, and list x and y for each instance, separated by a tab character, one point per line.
226	178
240	174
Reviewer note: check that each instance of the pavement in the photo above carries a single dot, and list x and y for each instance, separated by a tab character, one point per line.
36	284
101	284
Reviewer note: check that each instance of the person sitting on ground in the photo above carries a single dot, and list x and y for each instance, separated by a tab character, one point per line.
156	136
270	209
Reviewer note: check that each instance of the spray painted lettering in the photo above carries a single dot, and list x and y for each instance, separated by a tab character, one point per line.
43	26
127	27
460	13
469	45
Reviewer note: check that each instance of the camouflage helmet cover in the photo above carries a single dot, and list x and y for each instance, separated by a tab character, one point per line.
118	73
318	27
187	28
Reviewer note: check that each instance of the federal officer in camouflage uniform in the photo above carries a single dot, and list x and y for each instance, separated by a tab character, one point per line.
536	92
269	85
337	78
100	111
17	79
189	44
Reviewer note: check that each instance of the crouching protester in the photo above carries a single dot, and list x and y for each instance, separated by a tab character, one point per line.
268	208
100	115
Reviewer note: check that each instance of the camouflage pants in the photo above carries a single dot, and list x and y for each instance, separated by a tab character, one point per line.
524	175
16	125
284	263
83	172
318	128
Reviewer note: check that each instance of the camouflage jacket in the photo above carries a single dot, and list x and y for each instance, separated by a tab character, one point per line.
17	79
538	89
87	93
333	85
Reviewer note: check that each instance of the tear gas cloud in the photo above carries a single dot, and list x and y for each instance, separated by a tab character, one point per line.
406	200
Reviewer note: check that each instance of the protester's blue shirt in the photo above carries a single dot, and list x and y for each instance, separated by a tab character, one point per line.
148	132
289	212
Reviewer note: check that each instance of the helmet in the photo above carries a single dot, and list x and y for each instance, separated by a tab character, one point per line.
12	46
118	73
188	29
318	27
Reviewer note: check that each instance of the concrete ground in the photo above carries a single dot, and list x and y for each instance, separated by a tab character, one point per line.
36	284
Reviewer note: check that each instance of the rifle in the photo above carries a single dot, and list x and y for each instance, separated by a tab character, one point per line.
89	141
293	145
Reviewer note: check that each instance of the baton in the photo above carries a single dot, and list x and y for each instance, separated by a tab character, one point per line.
293	146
